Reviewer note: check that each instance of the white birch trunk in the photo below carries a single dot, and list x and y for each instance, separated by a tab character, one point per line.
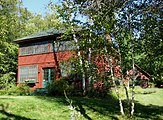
133	67
116	89
89	63
112	75
80	61
133	83
90	55
122	78
79	52
71	107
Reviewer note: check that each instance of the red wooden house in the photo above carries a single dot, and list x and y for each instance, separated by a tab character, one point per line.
39	57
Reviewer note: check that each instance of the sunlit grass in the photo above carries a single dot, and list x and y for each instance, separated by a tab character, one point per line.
151	96
148	106
35	108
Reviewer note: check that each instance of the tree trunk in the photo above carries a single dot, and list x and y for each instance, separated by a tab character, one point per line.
58	72
90	56
133	83
133	67
122	78
71	16
80	61
116	89
108	39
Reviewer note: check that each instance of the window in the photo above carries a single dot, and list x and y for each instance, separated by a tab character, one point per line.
62	46
34	48
49	74
28	73
66	68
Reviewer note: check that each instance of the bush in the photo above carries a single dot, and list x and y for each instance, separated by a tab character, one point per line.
12	89
101	90
151	85
2	92
57	88
23	89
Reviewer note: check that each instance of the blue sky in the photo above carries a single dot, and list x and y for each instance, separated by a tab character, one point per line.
38	6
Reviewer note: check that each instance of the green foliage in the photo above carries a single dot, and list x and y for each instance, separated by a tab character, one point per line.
150	41
37	23
8	63
9	27
57	88
151	85
100	91
2	92
14	90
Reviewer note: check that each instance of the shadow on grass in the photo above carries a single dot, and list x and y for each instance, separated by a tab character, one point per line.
149	112
83	111
10	115
108	107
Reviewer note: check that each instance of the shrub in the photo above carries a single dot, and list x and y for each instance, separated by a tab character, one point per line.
2	92
94	92
12	89
23	89
57	88
150	91
101	90
151	85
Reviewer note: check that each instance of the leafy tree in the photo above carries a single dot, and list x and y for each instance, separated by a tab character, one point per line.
37	23
126	22
8	50
151	39
98	45
16	22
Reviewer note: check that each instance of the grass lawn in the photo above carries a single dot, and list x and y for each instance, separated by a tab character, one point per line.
148	106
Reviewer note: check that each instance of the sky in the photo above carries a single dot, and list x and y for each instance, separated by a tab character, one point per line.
38	6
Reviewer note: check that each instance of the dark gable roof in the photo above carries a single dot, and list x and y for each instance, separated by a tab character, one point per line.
45	33
141	70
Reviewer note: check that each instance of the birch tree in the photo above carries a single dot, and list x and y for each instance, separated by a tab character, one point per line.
125	21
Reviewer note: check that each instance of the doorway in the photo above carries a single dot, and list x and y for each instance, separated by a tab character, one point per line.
48	76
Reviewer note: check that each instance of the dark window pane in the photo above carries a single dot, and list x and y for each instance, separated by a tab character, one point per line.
34	48
62	46
49	74
66	68
28	73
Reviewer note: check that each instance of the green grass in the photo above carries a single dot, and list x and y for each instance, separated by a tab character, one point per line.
148	106
155	97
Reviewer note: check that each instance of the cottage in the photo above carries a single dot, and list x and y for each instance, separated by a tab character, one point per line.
39	57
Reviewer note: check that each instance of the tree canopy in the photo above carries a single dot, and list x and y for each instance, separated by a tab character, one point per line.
16	22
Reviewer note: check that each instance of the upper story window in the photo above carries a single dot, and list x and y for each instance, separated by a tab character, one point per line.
58	46
42	47
34	48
